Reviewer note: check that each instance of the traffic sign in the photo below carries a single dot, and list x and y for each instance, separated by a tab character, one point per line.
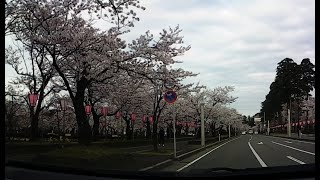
170	96
169	83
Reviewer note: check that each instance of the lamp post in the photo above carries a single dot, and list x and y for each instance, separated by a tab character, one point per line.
33	98
202	125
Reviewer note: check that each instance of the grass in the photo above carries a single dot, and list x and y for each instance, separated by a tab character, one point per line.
84	152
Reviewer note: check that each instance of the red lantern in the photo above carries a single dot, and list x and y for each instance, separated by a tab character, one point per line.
88	109
133	117
144	118
150	119
33	98
104	111
118	115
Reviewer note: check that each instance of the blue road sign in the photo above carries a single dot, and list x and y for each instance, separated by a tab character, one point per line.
170	96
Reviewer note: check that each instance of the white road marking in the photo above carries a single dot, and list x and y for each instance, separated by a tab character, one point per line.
293	148
288	142
187	165
147	168
257	156
292	140
296	160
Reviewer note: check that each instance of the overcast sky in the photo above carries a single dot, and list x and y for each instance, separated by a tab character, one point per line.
234	42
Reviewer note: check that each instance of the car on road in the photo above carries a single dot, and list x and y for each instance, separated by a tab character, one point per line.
244	132
250	131
256	132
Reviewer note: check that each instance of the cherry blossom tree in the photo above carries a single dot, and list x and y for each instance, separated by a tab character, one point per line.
34	77
83	55
210	98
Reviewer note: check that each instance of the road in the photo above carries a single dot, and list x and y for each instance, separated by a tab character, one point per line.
249	151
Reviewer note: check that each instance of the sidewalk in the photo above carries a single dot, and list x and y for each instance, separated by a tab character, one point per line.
295	136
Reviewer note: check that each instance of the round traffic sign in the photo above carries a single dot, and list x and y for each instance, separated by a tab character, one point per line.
170	96
169	83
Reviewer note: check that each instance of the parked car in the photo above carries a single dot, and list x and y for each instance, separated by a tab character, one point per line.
244	132
250	131
256	132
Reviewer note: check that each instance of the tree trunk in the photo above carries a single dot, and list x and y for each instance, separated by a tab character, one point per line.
148	130
84	129
198	132
187	130
155	136
96	123
10	126
34	126
168	132
178	129
128	130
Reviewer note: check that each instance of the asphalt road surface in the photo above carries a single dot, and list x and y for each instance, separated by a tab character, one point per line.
249	151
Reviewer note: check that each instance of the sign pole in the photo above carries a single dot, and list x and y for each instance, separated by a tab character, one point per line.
174	132
202	125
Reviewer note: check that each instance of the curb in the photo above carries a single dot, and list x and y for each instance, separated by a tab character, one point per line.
308	140
183	156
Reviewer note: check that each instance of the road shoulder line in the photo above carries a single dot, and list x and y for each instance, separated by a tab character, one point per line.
150	167
189	164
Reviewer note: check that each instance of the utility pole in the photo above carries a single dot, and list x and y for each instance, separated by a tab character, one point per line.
289	120
202	125
268	128
229	130
174	131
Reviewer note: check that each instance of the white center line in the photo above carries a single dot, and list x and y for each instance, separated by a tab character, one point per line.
187	165
296	160
307	142
293	148
257	156
288	142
